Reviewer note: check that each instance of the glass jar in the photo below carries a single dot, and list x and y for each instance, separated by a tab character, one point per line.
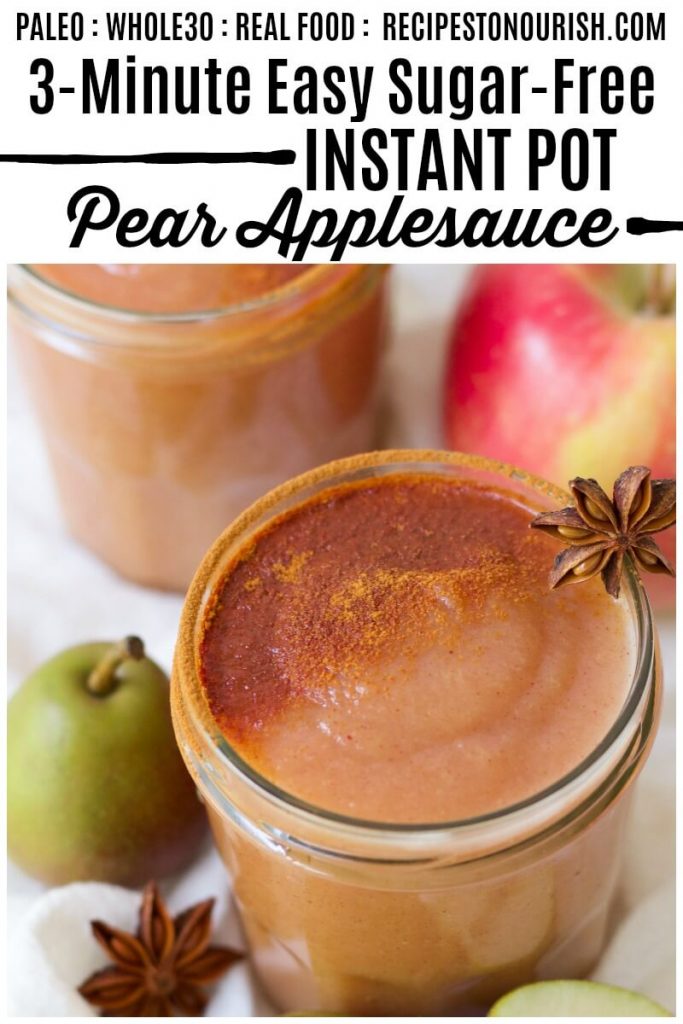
361	917
162	428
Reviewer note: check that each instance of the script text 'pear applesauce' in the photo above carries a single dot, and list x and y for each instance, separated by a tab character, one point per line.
416	758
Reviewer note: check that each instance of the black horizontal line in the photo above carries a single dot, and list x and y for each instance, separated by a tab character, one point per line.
274	156
644	226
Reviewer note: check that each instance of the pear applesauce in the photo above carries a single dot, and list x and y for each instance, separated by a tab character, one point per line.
171	397
428	746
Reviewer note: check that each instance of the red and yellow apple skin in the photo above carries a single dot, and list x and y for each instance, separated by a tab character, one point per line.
558	370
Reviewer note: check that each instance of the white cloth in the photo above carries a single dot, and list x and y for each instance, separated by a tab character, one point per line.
59	595
53	951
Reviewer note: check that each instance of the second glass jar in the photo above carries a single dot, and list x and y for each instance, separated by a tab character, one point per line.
162	428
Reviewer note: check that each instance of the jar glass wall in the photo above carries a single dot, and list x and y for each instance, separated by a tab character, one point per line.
361	917
162	428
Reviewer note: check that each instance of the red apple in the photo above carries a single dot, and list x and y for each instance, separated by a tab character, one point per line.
567	371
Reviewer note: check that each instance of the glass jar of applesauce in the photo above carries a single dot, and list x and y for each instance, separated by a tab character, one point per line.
170	397
363	917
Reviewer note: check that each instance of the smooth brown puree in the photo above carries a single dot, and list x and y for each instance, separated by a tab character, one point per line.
161	432
168	288
391	650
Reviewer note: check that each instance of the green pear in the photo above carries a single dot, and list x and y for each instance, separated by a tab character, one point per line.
575	999
96	787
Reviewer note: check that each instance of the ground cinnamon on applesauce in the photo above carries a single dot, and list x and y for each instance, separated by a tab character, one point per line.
390	649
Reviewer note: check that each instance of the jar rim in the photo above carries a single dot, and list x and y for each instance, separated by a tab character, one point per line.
270	298
387	461
295	314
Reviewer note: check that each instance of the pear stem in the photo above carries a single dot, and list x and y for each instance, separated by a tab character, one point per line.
661	288
102	680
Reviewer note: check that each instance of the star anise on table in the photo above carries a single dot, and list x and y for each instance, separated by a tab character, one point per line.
601	533
159	971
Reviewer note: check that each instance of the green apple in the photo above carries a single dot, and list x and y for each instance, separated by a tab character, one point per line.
96	787
575	999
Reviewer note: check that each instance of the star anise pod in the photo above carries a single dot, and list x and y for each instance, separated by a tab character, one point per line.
600	532
159	971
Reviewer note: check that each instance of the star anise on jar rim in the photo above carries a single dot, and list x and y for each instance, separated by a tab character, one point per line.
160	970
602	533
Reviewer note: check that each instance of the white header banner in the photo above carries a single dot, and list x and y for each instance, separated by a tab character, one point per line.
451	132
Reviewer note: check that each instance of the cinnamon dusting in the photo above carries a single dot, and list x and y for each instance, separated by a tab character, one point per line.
290	571
353	575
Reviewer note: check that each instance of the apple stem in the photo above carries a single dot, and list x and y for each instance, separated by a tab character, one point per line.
661	291
102	680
